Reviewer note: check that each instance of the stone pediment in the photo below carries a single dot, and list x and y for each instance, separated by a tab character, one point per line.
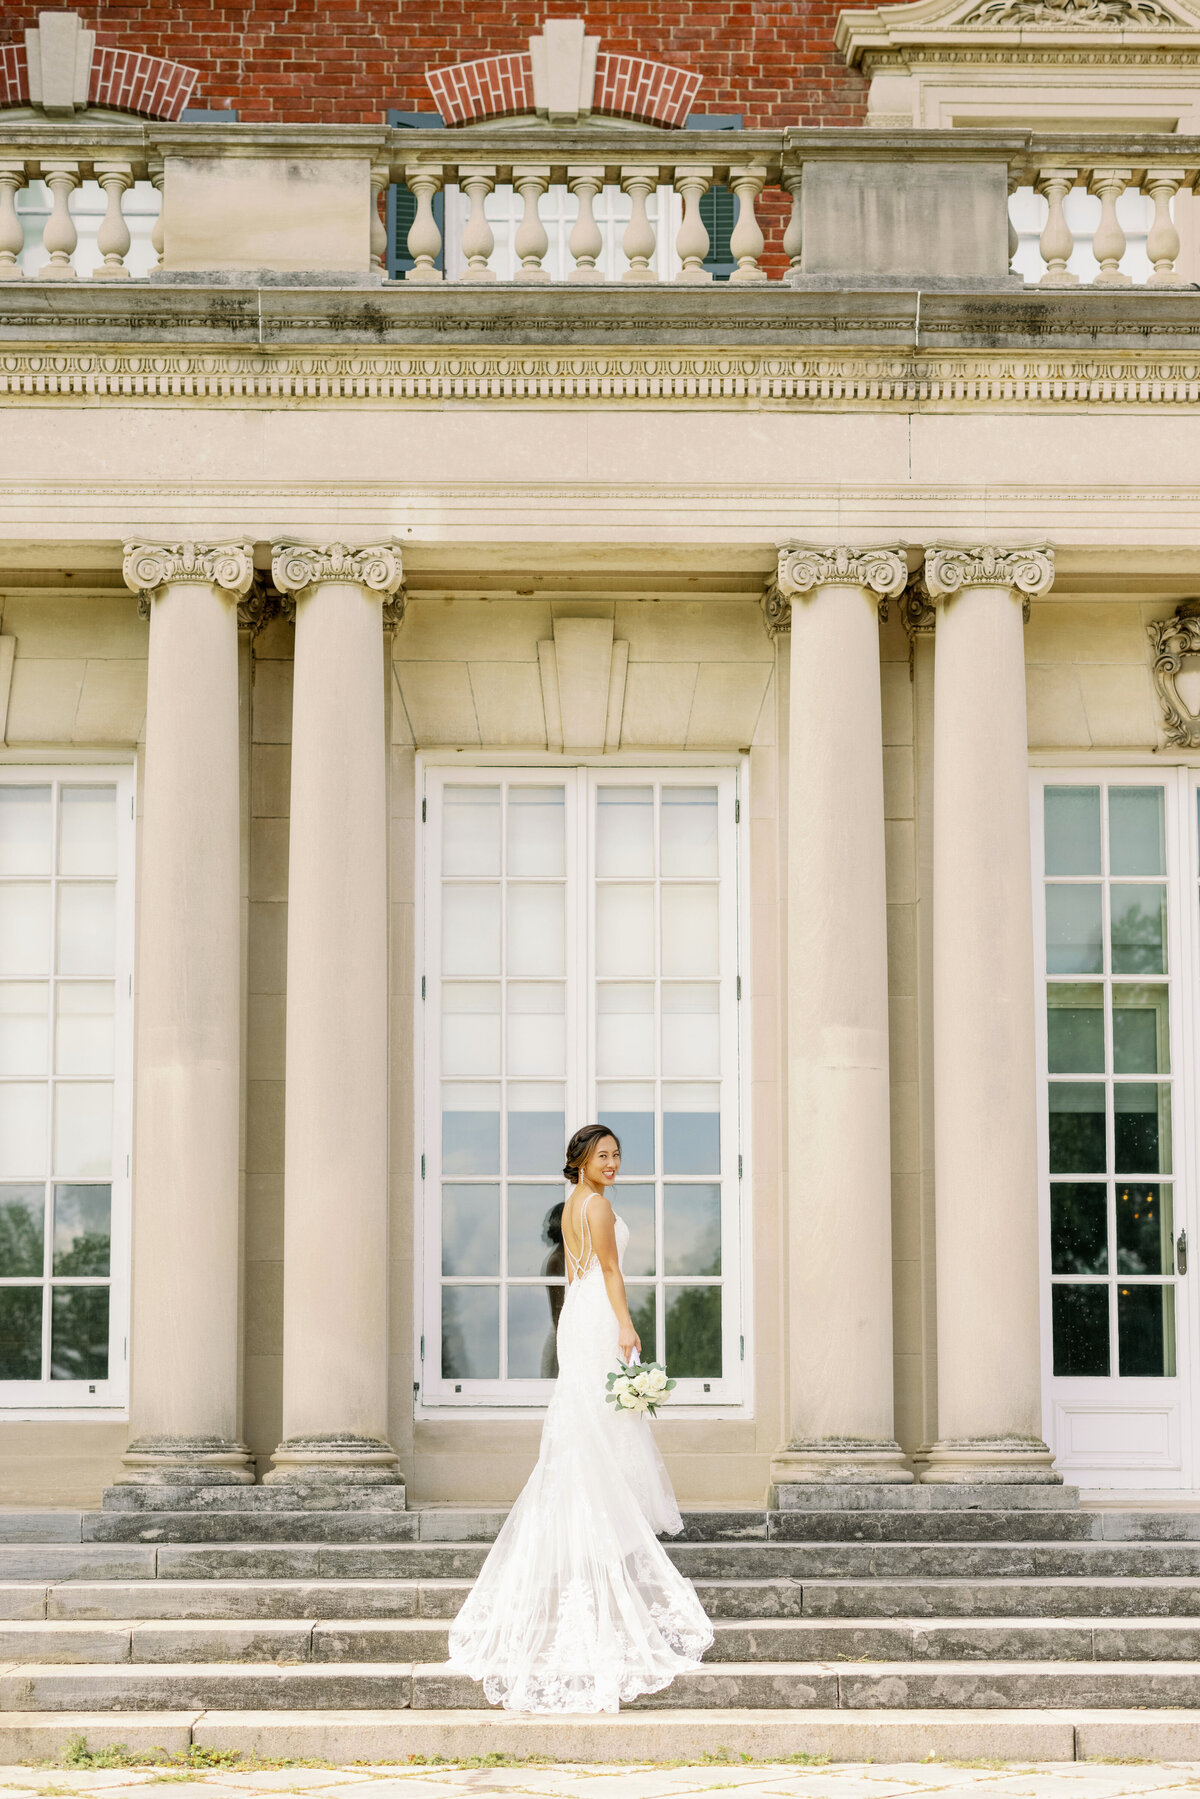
908	31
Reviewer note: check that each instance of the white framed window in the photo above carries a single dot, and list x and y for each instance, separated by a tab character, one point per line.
580	960
66	1033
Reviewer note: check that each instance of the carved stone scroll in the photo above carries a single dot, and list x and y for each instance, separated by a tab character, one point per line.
802	567
378	567
1174	640
149	566
1030	572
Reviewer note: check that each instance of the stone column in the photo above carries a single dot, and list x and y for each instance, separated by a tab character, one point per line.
985	1129
839	1165
336	1118
184	1404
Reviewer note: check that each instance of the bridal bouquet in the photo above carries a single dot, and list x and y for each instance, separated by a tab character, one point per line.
639	1389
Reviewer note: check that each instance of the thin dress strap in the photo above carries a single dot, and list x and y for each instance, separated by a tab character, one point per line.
581	1263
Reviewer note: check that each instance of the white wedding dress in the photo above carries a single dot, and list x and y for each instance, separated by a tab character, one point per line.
578	1606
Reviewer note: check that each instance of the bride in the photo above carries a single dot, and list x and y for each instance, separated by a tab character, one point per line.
578	1605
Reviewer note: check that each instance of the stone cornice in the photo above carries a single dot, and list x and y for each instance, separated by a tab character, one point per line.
377	567
1029	572
148	567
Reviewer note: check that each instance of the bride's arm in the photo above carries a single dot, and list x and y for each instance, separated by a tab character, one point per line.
604	1242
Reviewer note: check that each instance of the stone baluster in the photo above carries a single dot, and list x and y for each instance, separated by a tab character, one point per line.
184	1327
692	241
158	175
424	238
1162	244
1057	240
12	237
1014	236
60	236
586	242
639	242
531	242
747	243
984	1036
380	177
1108	244
113	239
793	237
478	238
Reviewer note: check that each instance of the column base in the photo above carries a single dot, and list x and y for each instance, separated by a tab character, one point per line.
991	1461
839	1461
186	1462
361	1460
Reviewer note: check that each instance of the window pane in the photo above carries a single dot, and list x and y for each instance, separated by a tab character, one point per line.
1072	823
470	1333
1137	843
471	1027
694	1332
537	1028
22	1229
79	1334
87	831
691	1030
1145	1229
22	1129
535	1230
1142	1128
1139	929
624	831
624	1028
471	831
470	1229
83	1123
24	1027
1077	1136
532	1323
1080	1325
624	930
24	927
536	1127
1146	1331
1075	1029
470	1128
82	1230
691	1129
86	927
635	1204
692	1230
537	942
1073	934
689	831
1079	1227
24	830
1141	1031
689	931
471	929
21	1333
535	832
627	1108
83	1039
644	1313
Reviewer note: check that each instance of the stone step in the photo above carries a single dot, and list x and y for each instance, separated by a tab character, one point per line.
172	1641
999	1598
921	1496
286	1496
860	1685
251	1527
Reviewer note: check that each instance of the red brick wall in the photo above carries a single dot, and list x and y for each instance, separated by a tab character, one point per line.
329	61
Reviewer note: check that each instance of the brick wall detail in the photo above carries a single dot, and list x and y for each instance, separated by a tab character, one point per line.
125	80
14	75
487	89
627	87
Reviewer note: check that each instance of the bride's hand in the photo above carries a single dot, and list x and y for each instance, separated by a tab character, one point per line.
628	1341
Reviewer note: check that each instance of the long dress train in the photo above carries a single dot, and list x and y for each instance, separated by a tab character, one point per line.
578	1606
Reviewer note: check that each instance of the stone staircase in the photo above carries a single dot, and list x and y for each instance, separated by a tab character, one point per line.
893	1623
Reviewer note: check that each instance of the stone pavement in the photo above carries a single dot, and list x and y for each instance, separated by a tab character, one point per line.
845	1780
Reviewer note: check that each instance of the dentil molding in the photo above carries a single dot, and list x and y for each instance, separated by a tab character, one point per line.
1175	639
377	567
148	567
1029	572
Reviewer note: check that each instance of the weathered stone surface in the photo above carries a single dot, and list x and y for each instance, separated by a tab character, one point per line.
379	1641
810	1640
267	1526
1151	1527
193	1686
43	1526
452	1525
1170	1640
240	1599
1042	1685
57	1642
819	1497
420	1562
1033	1639
751	1598
74	1561
42	1736
760	1685
23	1599
232	1561
224	1641
941	1526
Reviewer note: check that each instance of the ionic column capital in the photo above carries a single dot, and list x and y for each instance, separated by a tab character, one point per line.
147	567
1029	572
378	567
803	567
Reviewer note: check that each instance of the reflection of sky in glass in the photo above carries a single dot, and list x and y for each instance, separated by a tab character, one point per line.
692	1230
470	1230
689	831
81	1230
470	1142
1073	930
531	1334
470	1333
535	1142
624	831
534	1230
635	1133
1136	831
1072	830
1139	929
635	1204
471	831
535	831
691	1142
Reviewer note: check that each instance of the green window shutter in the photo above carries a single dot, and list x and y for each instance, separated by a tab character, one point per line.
719	207
402	202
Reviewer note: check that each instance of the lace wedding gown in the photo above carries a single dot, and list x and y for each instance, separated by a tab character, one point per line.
578	1605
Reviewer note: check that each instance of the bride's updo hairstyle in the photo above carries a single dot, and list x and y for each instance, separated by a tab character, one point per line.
581	1146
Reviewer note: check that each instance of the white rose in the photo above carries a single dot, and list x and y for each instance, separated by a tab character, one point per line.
655	1381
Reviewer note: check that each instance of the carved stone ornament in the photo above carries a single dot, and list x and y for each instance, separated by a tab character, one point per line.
802	568
295	566
149	566
260	606
777	611
917	611
1065	14
1174	640
1030	572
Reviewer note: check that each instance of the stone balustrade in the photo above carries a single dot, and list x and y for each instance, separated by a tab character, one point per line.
253	204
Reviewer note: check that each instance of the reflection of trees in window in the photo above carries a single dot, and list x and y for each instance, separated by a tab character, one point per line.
20	1333
79	1334
21	1237
694	1332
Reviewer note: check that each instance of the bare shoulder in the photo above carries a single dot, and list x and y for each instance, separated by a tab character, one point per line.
599	1211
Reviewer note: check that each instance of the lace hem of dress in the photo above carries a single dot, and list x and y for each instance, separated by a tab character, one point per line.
537	1690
